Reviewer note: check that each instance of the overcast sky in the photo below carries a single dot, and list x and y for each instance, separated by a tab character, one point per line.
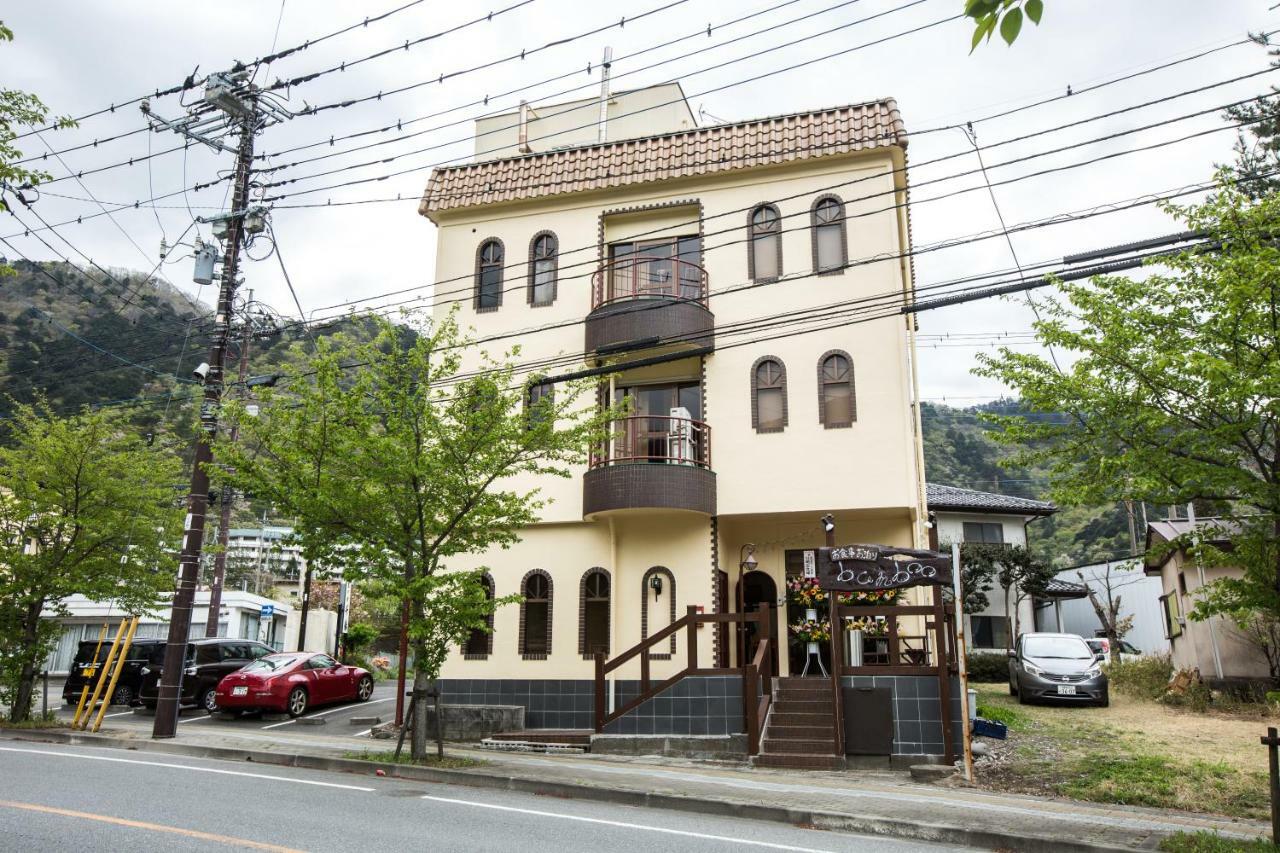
79	57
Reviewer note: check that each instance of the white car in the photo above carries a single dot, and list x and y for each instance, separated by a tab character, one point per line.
1102	646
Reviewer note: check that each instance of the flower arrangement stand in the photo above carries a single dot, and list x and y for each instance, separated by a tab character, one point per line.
813	652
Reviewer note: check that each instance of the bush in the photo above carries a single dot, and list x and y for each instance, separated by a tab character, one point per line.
1146	678
987	667
1273	697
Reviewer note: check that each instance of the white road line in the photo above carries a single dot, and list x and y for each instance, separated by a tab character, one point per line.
186	767
332	711
119	714
194	719
624	825
363	733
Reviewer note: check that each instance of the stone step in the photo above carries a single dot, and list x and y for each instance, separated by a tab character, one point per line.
793	732
791	718
818	746
802	762
803	706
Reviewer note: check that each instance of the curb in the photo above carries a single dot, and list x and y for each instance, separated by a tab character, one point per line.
863	824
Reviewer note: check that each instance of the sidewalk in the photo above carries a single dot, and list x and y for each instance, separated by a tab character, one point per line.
867	802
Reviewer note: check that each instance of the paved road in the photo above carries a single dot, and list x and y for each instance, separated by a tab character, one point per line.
58	798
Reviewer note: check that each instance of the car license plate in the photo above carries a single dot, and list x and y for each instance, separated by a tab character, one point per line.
244	691
1063	689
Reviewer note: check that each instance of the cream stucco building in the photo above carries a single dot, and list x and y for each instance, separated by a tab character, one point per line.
710	276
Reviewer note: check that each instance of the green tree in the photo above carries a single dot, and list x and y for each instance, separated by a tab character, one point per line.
19	109
1251	601
395	467
85	507
977	569
1174	391
1004	15
1258	141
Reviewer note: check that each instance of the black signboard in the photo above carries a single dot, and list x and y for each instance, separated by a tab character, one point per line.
860	568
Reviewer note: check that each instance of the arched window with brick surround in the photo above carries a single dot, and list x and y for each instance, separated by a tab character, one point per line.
830	239
535	615
489	275
837	405
768	395
594	595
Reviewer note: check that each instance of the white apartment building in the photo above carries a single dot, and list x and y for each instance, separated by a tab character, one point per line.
702	274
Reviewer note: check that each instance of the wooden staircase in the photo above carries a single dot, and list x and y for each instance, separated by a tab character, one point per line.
800	731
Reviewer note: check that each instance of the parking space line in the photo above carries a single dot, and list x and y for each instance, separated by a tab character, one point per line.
624	825
190	767
363	733
355	707
118	714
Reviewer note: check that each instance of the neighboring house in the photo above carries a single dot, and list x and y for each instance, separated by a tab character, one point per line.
734	441
240	618
1192	643
1139	598
967	515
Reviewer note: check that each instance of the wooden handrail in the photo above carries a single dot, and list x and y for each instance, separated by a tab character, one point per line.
760	667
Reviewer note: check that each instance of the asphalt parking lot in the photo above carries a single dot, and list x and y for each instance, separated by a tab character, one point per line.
327	725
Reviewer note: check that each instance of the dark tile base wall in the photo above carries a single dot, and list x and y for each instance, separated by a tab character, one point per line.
548	703
697	705
917	711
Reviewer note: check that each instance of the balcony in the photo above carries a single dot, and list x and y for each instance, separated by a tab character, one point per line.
652	462
640	301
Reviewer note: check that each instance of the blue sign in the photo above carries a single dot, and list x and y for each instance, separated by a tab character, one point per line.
268	610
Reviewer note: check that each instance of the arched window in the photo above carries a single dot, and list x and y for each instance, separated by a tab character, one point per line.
535	615
764	246
544	252
830	244
658	586
480	644
768	395
593	619
837	406
489	259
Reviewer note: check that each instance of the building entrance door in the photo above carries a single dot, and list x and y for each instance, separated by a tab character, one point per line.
757	589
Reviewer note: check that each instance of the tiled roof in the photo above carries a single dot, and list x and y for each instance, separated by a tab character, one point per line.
1056	588
956	499
703	151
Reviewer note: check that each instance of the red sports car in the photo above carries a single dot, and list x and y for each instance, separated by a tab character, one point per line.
292	682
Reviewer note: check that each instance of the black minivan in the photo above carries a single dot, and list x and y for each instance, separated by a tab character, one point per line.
141	654
207	661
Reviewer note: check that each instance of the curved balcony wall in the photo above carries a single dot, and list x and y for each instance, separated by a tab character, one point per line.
652	463
657	301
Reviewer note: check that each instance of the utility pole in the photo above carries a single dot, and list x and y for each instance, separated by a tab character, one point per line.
226	499
230	106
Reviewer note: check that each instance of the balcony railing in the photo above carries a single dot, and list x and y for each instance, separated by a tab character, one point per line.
648	277
656	439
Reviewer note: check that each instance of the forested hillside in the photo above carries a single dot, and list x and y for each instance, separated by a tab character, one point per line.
958	452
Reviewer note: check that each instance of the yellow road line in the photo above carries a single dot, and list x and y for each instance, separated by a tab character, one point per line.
154	827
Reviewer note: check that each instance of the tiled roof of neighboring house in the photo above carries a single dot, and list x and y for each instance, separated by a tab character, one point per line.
702	151
953	499
1064	589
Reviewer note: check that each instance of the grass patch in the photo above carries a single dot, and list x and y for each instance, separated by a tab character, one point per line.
449	762
1209	842
1011	717
1160	781
36	721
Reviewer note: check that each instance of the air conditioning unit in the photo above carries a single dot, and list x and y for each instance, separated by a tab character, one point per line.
680	439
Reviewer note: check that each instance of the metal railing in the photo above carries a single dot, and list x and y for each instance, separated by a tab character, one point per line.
648	277
658	439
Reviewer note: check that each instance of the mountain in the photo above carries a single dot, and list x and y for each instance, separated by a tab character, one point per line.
959	452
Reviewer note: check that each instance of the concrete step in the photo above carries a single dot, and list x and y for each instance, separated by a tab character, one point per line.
803	682
789	694
817	746
803	762
790	718
803	706
793	732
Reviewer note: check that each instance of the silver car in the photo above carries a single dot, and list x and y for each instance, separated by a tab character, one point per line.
1057	667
